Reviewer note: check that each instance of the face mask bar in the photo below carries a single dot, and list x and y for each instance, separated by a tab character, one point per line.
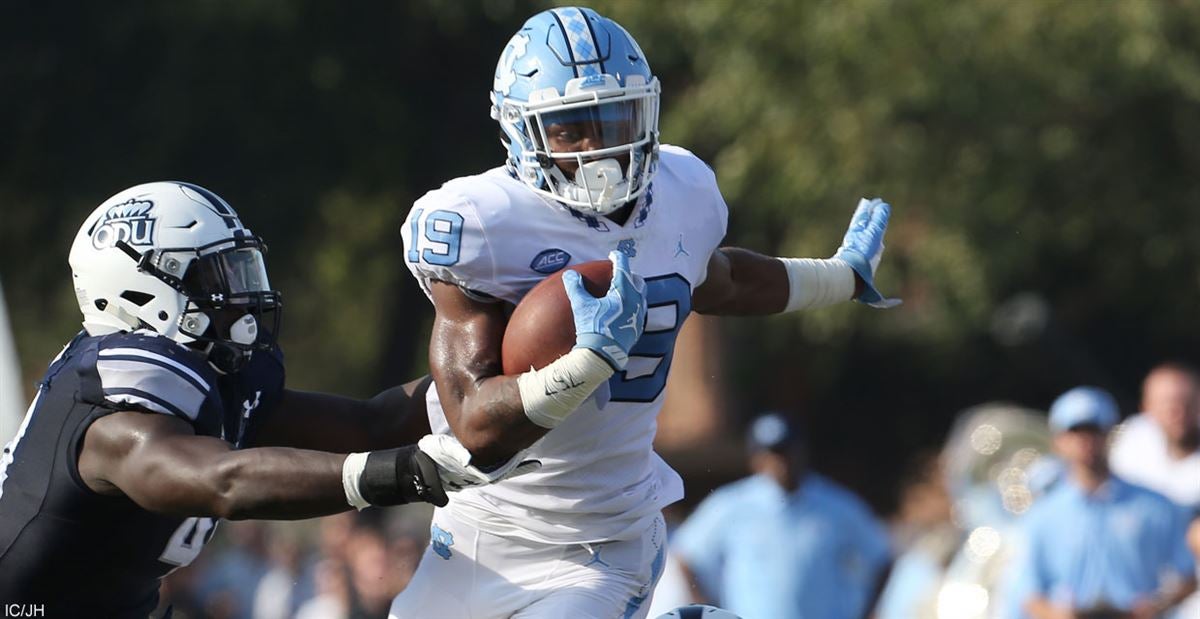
595	190
222	288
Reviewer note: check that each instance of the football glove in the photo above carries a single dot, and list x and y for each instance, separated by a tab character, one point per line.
455	468
612	324
862	248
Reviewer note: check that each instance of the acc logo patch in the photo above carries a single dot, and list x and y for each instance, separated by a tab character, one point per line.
129	221
441	540
549	261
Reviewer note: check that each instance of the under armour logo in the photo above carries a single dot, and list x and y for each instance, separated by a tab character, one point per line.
679	247
218	297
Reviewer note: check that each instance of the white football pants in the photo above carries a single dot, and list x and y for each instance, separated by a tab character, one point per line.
466	573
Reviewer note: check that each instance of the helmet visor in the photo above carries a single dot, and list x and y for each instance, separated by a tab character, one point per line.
232	273
593	127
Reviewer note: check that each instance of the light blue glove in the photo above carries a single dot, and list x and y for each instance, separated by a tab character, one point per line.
862	248
612	324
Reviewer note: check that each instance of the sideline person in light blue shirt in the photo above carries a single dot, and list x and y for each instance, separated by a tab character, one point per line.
1097	545
785	543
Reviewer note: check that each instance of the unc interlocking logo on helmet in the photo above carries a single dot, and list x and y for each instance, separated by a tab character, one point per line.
506	76
129	221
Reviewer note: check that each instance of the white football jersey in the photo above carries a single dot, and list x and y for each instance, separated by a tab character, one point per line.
600	478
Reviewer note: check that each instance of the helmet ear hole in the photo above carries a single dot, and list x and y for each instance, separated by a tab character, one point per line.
163	316
101	304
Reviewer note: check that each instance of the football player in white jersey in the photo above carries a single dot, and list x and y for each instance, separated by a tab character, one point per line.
585	179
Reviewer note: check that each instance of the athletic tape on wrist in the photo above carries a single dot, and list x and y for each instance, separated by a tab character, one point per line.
352	470
817	283
551	394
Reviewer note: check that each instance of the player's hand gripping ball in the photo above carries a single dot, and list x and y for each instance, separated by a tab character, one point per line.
580	306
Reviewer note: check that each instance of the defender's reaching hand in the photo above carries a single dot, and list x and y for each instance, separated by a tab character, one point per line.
455	468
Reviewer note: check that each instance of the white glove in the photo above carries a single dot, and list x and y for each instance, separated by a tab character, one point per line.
455	468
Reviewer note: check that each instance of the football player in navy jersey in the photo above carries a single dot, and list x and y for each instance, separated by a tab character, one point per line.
132	449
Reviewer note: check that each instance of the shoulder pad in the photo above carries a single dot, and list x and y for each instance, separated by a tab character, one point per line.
447	234
153	373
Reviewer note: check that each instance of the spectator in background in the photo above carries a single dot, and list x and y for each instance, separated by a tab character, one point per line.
374	578
1160	448
1097	546
333	593
285	585
785	543
227	584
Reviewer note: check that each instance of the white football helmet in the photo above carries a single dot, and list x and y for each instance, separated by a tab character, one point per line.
573	91
699	611
174	258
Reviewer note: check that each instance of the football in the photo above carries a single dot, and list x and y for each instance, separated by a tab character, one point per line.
542	328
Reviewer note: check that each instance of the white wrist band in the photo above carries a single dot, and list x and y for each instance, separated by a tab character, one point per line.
817	283
552	393
352	470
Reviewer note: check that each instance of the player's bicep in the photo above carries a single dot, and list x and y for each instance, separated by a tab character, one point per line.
710	296
742	282
155	460
464	349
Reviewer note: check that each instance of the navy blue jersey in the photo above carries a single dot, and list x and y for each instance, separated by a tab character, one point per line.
82	554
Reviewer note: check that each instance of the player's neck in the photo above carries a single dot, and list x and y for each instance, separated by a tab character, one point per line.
621	215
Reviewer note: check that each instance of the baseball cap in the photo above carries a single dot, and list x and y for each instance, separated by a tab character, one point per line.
1083	406
770	431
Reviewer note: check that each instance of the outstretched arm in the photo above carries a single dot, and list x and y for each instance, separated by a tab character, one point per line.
327	422
159	463
742	282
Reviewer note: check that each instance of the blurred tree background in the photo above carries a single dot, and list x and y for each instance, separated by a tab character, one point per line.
1042	158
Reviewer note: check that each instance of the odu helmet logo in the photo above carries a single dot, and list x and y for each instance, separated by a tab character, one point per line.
129	221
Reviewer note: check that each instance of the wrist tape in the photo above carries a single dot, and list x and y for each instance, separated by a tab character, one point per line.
817	283
375	478
552	393
352	470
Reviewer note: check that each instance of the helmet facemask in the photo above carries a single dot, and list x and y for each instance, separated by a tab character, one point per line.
593	149
229	309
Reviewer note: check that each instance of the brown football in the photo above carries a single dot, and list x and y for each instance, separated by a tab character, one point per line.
542	328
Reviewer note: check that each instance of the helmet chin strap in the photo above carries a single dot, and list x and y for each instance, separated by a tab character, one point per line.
225	358
123	315
229	357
